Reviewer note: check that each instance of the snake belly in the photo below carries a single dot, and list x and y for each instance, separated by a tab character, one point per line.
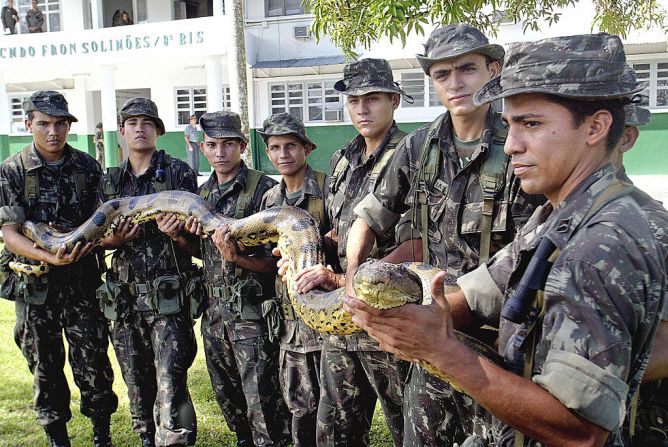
295	231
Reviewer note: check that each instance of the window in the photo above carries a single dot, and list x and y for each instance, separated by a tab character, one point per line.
50	9
192	100
313	101
274	8
416	84
655	73
17	116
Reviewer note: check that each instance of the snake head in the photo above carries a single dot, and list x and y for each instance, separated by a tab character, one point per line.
383	285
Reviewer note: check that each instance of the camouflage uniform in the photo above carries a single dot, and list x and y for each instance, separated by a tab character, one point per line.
299	357
154	348
64	302
242	361
652	418
434	413
354	371
604	291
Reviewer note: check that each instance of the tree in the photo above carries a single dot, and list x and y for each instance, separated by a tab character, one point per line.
354	23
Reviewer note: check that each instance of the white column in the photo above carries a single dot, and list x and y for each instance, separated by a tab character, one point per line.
80	106
72	15
218	7
5	125
214	84
96	10
109	124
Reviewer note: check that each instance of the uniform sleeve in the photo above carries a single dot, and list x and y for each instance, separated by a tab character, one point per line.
382	209
600	315
13	207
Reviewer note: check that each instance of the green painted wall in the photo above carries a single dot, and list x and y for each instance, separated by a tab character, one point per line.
650	154
648	157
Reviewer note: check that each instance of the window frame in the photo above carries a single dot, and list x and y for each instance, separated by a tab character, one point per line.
48	8
282	11
20	97
198	111
653	80
303	102
429	95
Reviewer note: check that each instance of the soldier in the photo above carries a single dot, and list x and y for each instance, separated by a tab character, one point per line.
144	293
49	181
241	358
574	351
455	175
301	186
34	18
354	373
651	427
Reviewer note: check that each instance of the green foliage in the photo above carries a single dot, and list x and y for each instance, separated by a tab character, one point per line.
354	23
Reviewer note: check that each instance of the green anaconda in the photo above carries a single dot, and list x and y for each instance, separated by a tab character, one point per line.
296	233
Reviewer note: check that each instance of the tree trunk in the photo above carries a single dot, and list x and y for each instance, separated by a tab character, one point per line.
236	59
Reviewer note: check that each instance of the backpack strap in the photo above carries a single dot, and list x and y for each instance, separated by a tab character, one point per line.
246	196
30	179
492	182
340	163
316	205
426	176
79	176
390	148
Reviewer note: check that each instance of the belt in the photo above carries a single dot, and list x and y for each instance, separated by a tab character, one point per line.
137	288
287	311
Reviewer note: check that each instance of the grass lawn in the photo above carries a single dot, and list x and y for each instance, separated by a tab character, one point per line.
18	429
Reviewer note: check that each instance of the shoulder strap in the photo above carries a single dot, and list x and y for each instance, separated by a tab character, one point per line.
30	179
390	148
112	182
340	165
316	205
246	196
492	181
426	176
79	175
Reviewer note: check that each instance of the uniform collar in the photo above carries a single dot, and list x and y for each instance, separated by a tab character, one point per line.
310	186
35	160
353	150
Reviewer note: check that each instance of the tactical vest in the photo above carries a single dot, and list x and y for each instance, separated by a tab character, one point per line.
341	163
31	179
245	199
492	181
112	180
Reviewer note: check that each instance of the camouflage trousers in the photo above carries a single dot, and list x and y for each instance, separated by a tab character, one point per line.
351	382
155	352
437	415
300	382
243	366
39	333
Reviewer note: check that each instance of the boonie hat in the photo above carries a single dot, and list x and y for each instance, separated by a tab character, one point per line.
284	124
583	67
140	106
367	76
636	116
455	40
222	125
50	103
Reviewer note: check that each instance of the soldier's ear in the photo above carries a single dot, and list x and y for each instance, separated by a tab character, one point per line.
494	68
308	148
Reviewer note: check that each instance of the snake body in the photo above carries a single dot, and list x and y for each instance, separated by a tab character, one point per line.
380	284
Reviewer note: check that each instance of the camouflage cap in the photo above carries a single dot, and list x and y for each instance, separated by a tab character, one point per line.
455	40
367	76
284	124
636	116
50	103
584	67
222	124
140	106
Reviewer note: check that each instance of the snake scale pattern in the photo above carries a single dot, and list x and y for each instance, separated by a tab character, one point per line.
380	284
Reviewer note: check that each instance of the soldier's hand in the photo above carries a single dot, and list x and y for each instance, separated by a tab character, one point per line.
125	230
193	226
282	264
62	257
412	331
318	276
226	245
169	224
